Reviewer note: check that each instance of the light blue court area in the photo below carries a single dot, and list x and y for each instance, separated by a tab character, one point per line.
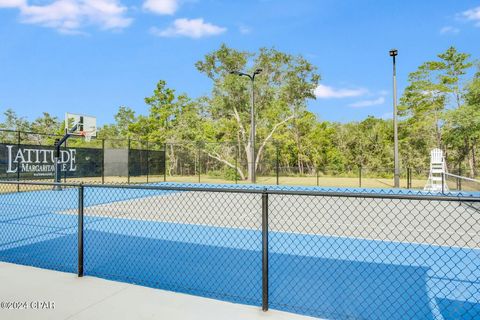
319	275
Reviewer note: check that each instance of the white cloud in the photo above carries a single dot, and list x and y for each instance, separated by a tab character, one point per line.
472	15
449	30
326	92
69	16
368	103
244	29
12	3
193	28
161	6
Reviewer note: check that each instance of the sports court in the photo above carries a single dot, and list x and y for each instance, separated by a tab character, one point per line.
342	253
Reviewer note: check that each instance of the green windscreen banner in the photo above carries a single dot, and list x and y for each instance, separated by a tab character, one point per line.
146	162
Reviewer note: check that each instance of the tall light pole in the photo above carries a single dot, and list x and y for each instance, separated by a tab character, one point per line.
393	54
252	121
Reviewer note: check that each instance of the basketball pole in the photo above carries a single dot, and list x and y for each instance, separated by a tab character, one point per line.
56	160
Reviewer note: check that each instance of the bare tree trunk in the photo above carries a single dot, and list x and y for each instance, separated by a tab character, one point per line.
216	156
269	136
437	130
469	159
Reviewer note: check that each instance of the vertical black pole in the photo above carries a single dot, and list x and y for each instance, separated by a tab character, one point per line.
278	166
103	161
360	176
80	230
443	182
199	168
408	178
65	172
460	174
148	160
409	172
411	178
165	163
316	169
19	163
128	162
265	251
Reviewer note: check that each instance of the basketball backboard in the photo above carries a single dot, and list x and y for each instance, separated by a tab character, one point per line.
86	125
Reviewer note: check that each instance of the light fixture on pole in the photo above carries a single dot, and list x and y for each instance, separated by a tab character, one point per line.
393	54
251	161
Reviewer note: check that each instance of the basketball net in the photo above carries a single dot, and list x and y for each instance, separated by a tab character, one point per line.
87	135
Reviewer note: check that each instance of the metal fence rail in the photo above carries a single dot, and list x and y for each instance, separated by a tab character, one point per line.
333	255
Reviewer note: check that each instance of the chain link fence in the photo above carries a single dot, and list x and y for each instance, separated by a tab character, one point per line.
128	161
327	254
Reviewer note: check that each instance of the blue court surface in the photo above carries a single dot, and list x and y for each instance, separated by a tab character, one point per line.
322	276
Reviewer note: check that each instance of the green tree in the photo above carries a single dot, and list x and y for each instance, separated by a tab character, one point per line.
282	91
424	102
13	122
463	127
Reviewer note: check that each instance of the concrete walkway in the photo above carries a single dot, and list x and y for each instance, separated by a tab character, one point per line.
93	298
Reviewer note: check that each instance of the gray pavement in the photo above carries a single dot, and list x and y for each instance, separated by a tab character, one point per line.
443	223
93	298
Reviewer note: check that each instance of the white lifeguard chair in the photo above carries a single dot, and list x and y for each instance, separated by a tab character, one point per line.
438	168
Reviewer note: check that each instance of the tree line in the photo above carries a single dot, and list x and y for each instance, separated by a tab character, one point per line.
440	107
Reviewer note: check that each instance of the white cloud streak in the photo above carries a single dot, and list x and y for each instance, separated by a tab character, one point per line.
12	3
368	103
327	92
163	7
472	15
69	16
244	29
449	30
192	28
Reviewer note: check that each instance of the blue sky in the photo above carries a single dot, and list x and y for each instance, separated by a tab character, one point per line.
91	56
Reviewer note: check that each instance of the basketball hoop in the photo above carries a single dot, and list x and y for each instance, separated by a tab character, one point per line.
87	135
82	125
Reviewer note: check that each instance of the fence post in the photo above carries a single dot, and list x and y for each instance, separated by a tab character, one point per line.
265	251
103	161
443	182
408	178
65	172
411	178
80	230
128	162
199	165
360	176
278	165
18	164
460	174
165	163
148	160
